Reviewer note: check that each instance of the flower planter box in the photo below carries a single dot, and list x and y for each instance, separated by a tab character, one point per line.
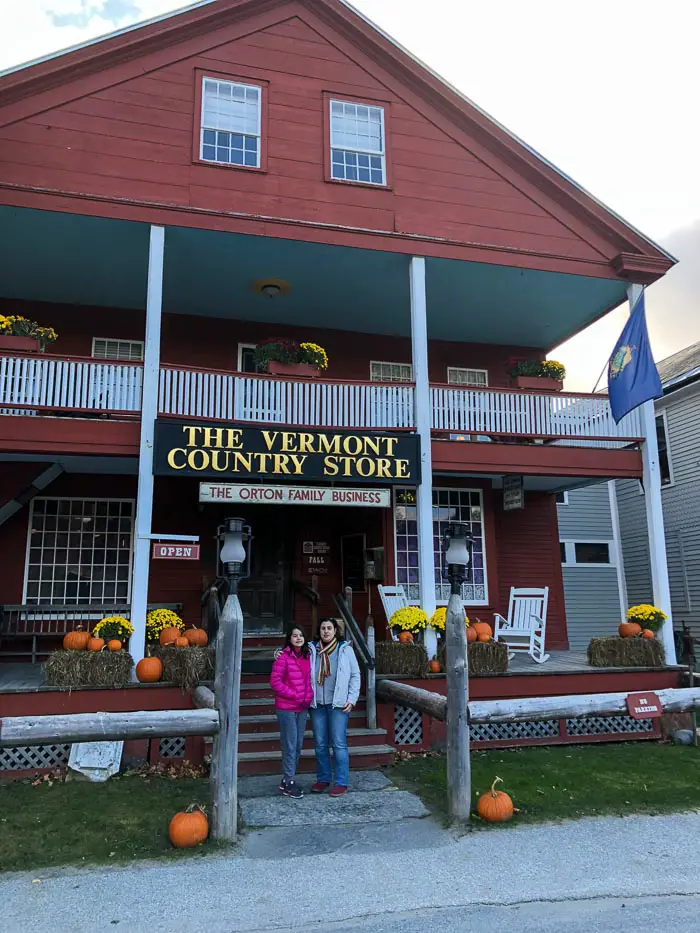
19	344
303	370
538	383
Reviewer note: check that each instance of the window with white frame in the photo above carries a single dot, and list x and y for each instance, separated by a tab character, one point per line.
585	553
231	123
665	467
79	551
562	498
390	372
357	142
107	348
449	505
457	376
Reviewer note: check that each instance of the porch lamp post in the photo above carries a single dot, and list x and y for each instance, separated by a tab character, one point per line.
227	681
458	559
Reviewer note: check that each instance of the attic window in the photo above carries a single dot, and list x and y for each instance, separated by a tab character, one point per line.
467	377
106	348
357	140
231	123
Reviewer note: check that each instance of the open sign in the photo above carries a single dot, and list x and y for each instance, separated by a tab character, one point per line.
176	551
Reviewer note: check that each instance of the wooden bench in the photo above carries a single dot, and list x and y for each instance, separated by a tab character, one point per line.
28	622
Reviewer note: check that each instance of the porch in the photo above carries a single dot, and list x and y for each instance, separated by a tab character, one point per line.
74	387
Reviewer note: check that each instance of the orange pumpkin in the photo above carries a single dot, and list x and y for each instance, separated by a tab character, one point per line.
149	670
406	638
434	666
482	628
114	645
483	636
472	634
647	633
495	806
168	635
95	644
629	629
181	642
76	641
189	828
197	637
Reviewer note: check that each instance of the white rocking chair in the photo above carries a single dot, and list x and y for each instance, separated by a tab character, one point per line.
524	629
393	598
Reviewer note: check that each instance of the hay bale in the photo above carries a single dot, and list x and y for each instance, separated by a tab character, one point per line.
626	652
185	667
484	657
88	669
391	657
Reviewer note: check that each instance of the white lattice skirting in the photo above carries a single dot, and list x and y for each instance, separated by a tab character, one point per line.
408	726
26	757
172	747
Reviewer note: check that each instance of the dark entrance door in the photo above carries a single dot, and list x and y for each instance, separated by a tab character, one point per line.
265	595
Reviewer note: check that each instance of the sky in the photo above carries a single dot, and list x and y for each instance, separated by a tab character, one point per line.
606	90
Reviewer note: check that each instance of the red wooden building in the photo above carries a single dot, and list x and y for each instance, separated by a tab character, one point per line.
174	195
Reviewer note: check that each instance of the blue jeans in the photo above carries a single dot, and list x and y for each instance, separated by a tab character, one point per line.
330	725
292	727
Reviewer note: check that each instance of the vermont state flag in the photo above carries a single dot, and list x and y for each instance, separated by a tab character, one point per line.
632	375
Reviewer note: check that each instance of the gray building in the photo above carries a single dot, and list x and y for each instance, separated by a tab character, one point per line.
591	515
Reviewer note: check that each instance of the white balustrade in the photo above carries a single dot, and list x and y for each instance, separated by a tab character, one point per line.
49	383
546	415
38	383
323	404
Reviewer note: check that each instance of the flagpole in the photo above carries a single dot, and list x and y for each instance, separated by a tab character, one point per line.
632	305
600	377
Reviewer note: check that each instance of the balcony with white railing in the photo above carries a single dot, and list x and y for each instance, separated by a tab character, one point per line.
42	384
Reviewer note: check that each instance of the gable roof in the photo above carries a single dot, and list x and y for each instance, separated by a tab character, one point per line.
680	368
24	88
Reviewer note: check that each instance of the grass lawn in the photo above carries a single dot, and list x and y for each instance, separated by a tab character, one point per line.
80	823
567	782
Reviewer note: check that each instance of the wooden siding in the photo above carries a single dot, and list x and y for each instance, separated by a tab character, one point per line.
528	555
133	140
587	516
592	600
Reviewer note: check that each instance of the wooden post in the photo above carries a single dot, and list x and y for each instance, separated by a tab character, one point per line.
227	691
371	698
459	792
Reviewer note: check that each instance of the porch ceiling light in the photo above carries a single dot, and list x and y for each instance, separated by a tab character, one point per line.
271	288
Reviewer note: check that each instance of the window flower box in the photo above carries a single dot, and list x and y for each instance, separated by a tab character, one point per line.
19	344
300	370
538	375
283	357
20	334
538	383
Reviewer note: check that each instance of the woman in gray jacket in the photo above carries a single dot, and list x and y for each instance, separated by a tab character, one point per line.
335	679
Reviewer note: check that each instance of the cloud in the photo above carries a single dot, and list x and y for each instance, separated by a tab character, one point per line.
112	11
674	302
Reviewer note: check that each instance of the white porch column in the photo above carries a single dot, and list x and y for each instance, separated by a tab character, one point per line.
149	412
655	515
422	414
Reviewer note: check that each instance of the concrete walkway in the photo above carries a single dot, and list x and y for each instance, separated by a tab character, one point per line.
378	888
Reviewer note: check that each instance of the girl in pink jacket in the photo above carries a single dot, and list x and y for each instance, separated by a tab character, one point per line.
291	683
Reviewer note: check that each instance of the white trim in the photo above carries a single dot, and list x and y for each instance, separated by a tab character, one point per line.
565	501
467	369
374	153
203	128
663	414
118	340
392	363
443	602
570	552
617	542
658	559
241	348
30	520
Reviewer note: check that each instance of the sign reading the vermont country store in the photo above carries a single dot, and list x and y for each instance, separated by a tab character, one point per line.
232	451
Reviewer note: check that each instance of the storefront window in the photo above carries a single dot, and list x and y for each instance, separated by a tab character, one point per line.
79	552
449	505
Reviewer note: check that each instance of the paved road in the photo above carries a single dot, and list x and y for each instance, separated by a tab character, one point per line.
647	915
482	881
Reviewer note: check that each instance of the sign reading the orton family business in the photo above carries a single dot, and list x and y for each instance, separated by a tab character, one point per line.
293	495
243	453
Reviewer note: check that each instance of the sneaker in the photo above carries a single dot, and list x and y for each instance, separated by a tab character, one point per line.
319	787
338	791
282	785
291	790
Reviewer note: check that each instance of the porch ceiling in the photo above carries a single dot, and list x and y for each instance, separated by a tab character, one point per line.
75	259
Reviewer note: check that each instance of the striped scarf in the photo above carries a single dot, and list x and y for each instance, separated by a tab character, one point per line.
324	654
